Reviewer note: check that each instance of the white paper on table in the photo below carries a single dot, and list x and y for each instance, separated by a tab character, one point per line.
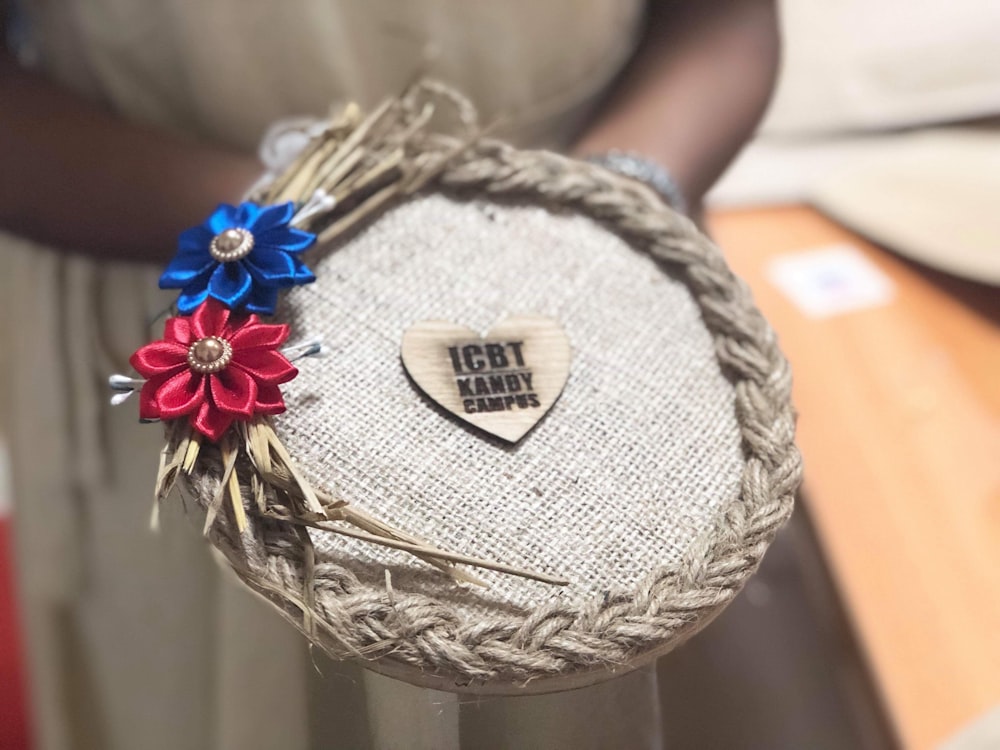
830	280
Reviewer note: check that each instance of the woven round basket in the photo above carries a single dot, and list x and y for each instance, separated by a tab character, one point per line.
653	485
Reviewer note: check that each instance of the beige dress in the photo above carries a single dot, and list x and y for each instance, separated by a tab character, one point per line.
136	641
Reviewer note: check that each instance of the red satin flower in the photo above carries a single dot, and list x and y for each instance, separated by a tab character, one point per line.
213	367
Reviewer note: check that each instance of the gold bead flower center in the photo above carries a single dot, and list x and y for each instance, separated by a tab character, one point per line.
210	354
231	244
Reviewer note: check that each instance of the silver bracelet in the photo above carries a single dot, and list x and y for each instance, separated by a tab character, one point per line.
638	167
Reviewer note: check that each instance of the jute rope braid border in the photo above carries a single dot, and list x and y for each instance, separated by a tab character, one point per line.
348	619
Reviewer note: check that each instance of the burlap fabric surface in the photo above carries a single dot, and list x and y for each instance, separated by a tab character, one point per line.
630	466
654	484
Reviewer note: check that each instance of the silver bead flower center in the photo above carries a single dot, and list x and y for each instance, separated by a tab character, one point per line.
210	354
231	244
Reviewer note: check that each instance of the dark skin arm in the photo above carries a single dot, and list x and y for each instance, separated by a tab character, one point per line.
76	176
695	91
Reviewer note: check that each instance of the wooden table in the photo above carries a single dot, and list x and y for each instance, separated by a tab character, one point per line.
900	430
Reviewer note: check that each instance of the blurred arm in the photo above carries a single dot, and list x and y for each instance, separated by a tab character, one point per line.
76	176
695	91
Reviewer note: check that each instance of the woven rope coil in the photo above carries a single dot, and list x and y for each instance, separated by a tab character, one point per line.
348	619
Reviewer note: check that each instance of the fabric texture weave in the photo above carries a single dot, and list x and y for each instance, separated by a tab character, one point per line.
631	465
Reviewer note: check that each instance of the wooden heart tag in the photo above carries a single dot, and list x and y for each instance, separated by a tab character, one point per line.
503	382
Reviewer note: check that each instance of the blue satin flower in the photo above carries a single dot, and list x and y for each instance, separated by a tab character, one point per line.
260	258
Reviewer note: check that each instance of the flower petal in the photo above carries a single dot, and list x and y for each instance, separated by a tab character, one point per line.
192	296
195	238
238	321
270	217
209	319
148	406
211	422
180	394
247	214
234	391
231	284
265	365
302	273
269	400
263	299
186	266
159	358
178	329
224	217
289	239
270	266
258	336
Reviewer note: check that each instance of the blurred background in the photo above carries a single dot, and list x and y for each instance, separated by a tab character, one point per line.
865	215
